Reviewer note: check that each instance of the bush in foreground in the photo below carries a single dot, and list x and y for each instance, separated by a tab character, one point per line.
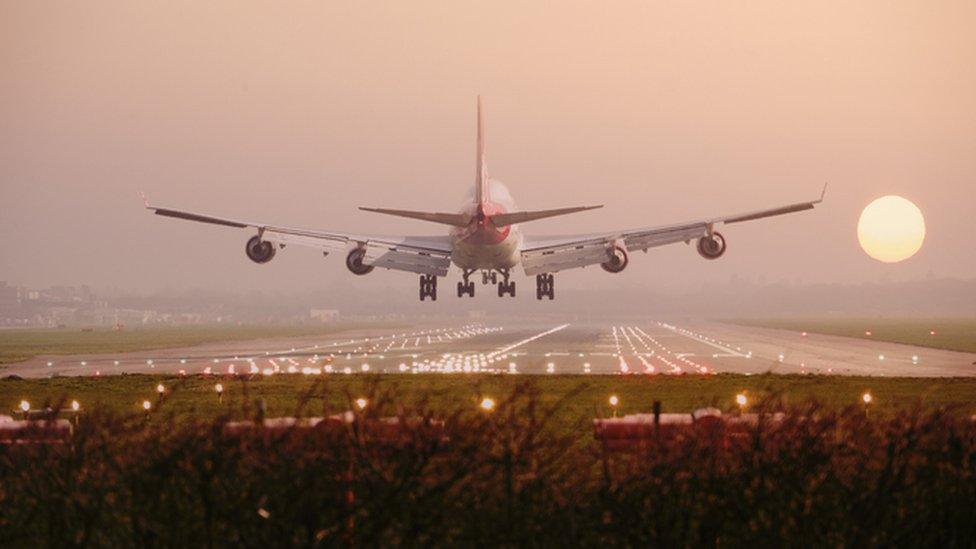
507	477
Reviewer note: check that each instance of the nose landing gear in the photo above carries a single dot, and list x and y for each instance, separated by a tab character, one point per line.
428	287
489	277
545	286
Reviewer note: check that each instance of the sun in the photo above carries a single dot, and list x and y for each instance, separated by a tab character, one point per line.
891	229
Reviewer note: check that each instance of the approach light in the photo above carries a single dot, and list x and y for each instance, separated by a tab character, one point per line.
160	388
219	388
361	403
867	398
741	400
75	406
365	367
25	406
487	404
146	405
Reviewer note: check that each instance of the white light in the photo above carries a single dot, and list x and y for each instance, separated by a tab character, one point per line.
365	367
75	405
219	388
867	398
146	405
914	359
487	404
741	399
160	389
880	357
24	405
361	403
614	401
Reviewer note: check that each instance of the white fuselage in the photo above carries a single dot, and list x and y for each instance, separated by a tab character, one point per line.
482	245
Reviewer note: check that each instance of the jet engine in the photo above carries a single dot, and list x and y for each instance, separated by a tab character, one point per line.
259	251
354	261
618	259
711	247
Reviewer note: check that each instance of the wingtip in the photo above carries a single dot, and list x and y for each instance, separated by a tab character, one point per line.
823	192
145	201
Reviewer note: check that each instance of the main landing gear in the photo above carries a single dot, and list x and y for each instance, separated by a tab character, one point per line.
545	286
467	286
428	287
505	286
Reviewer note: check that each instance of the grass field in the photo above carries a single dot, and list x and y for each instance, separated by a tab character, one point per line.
955	334
17	345
586	396
530	473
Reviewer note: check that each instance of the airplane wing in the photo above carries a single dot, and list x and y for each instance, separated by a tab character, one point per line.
416	254
558	253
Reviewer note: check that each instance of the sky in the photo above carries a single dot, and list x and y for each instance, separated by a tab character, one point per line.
296	114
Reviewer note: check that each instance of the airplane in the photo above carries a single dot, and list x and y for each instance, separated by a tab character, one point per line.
485	237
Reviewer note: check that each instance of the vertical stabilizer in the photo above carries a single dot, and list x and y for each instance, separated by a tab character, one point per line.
481	177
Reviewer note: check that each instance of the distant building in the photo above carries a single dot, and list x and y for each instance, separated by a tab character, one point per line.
324	315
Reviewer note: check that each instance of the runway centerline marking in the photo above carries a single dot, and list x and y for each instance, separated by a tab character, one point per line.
526	340
731	352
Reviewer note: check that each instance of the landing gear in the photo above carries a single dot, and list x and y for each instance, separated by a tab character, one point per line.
489	277
467	286
428	287
505	286
545	286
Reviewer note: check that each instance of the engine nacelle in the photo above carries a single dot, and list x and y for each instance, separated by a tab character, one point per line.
711	247
354	261
618	260
259	251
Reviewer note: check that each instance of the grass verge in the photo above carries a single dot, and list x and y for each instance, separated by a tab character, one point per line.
954	334
21	344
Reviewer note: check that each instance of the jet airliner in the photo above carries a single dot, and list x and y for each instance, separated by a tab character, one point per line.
485	237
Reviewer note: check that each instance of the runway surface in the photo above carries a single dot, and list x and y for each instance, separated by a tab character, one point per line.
649	347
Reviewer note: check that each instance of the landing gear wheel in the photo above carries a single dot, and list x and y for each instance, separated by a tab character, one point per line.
428	287
506	288
545	286
465	288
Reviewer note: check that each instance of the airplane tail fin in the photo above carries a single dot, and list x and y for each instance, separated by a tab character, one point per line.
501	220
481	174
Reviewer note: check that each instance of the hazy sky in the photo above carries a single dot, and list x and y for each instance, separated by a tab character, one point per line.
296	114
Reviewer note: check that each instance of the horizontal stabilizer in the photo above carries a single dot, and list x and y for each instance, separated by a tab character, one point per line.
457	220
501	220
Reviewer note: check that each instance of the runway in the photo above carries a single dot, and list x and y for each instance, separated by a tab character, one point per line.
656	347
